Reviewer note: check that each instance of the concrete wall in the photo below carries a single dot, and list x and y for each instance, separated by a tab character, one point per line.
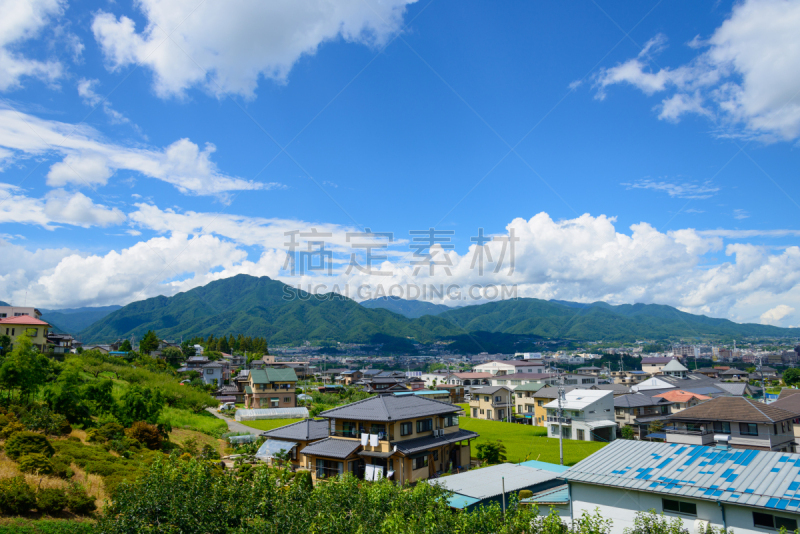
621	507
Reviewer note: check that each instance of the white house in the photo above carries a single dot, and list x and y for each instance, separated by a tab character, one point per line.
747	491
588	415
547	379
507	367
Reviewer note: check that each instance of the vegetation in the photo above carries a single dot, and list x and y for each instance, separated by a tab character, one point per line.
791	376
46	526
491	452
269	424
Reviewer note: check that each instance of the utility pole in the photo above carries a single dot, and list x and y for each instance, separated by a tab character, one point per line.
560	418
761	370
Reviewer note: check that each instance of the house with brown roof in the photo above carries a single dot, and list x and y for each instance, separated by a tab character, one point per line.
492	403
682	399
34	328
405	438
740	422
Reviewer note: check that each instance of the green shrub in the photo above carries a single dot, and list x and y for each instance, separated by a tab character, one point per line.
147	435
16	496
78	501
43	419
11	428
111	431
36	463
51	500
525	494
4	420
47	526
22	443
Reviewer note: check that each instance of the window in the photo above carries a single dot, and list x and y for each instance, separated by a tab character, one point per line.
498	399
450	420
554	430
773	521
474	412
287	399
748	429
587	381
419	463
580	434
679	507
406	428
487	399
435	456
540	403
722	427
424	425
482	411
274	402
349	429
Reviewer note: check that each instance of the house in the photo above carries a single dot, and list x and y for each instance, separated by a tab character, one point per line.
590	370
470	379
60	343
441	395
435	379
541	398
587	415
736	375
508	367
493	403
383	385
710	372
654	365
196	363
741	422
329	375
229	394
19	311
703	487
25	324
556	499
456	392
789	400
638	411
682	399
270	388
404	438
524	401
293	439
693	383
617	389
212	373
549	379
629	378
480	487
675	369
348	378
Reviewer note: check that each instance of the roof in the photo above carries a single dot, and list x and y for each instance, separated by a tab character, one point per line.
737	409
578	399
273	374
546	466
732	372
616	388
674	366
488	390
637	399
530	386
681	395
551	392
24	320
424	392
305	430
487	482
729	475
790	403
787	392
332	448
471	376
515	363
526	376
558	495
657	360
212	365
411	446
391	408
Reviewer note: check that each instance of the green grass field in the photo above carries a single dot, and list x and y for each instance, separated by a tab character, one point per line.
526	442
202	422
269	424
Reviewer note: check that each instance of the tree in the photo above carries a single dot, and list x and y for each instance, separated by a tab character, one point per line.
140	404
654	523
125	346
24	370
149	342
99	395
626	432
492	452
187	347
65	396
5	343
791	376
172	355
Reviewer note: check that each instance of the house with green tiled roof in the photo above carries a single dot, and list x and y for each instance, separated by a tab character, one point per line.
271	387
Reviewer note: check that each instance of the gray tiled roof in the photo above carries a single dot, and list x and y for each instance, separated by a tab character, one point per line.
410	446
616	388
551	392
632	401
306	430
332	448
487	390
391	408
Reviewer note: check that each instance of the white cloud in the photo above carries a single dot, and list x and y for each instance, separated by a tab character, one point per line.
776	314
21	21
57	207
237	42
89	160
674	189
743	234
740	214
747	77
91	98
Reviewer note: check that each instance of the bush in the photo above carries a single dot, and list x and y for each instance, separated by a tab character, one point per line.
78	501
16	496
107	432
36	463
147	435
11	428
525	494
43	419
22	443
51	500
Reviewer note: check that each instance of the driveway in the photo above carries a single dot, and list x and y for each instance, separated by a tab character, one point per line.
233	426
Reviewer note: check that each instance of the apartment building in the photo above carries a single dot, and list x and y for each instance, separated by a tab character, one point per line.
271	388
587	415
639	411
493	403
508	367
512	381
406	438
742	423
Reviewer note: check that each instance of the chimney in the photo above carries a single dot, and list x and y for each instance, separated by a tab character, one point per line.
723	442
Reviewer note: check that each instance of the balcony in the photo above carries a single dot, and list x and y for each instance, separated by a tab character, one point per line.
382	436
687	432
562	420
502	404
689	436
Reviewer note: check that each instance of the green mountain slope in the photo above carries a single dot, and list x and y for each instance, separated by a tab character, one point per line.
407	308
73	320
264	307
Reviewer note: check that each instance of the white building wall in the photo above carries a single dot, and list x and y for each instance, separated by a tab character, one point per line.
620	506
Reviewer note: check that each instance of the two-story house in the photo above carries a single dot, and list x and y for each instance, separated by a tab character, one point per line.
404	438
348	378
682	399
653	365
493	403
587	415
735	375
212	373
508	367
293	439
524	401
743	423
23	324
638	411
540	399
271	388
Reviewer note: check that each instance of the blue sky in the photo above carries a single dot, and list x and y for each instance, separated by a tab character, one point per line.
642	153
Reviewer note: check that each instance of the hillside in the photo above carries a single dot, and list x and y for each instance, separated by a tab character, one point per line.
264	307
407	308
73	320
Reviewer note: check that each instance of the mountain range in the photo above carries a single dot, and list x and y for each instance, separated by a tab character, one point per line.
264	307
407	308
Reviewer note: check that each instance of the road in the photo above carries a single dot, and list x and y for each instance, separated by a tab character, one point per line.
233	426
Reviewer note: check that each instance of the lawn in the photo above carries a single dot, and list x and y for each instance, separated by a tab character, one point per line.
526	442
269	424
202	422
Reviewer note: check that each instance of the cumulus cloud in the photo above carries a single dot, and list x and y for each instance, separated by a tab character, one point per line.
776	314
225	47
57	207
585	259
89	160
747	75
676	190
20	22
